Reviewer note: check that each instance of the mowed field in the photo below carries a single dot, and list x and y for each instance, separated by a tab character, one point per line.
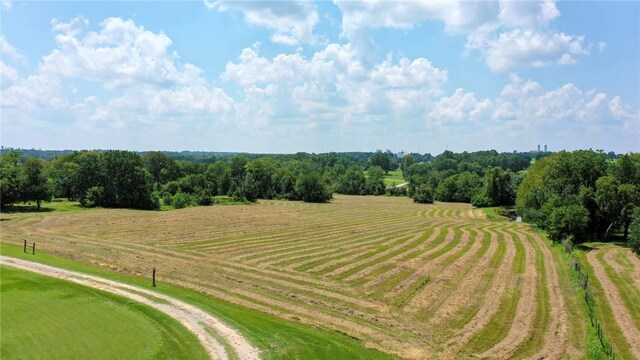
615	274
418	281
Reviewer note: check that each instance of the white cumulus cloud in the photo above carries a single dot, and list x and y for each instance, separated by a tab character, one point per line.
291	22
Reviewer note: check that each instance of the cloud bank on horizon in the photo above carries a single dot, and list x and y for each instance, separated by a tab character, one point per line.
305	76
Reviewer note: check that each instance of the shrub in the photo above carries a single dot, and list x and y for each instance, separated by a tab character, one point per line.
568	221
481	200
182	200
93	197
424	194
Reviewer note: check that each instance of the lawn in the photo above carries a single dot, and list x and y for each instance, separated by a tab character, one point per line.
47	318
394	178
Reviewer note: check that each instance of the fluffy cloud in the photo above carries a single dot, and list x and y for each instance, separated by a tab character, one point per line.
509	34
142	80
531	48
134	86
8	50
335	82
291	22
8	75
120	54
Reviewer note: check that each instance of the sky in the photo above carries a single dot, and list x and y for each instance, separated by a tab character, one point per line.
290	76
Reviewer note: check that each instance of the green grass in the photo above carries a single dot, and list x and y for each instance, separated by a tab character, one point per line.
535	339
500	323
43	317
394	178
624	283
57	205
277	338
493	213
604	313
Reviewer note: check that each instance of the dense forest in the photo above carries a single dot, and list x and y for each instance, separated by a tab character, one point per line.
581	195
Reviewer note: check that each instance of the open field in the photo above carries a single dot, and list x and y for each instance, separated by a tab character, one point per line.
418	281
394	178
46	318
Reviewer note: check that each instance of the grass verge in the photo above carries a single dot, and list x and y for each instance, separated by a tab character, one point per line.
44	317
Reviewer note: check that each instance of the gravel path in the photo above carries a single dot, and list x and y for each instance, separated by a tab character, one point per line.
194	319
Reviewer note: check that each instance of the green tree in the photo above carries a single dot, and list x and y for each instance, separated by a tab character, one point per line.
627	169
161	167
375	180
468	184
448	189
311	188
634	231
566	221
62	176
629	197
36	187
88	174
284	183
407	161
128	184
261	172
423	195
352	182
12	179
381	159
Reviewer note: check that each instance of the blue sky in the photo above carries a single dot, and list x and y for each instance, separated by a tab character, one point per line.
288	76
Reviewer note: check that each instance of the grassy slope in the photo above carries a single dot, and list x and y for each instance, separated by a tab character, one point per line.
603	311
43	317
394	178
277	338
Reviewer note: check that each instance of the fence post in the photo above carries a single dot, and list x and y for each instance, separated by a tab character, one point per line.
33	249
154	277
24	249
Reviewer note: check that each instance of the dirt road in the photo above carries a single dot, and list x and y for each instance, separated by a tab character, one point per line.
194	319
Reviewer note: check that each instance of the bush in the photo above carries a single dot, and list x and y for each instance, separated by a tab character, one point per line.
182	200
311	188
204	199
93	197
568	221
481	200
424	194
167	199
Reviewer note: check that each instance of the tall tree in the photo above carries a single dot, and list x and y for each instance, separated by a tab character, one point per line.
128	184
161	167
12	179
375	180
381	159
311	188
36	187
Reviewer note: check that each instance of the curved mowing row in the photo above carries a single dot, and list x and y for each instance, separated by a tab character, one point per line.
419	281
617	291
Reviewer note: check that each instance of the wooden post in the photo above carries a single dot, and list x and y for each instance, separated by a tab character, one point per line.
34	248
154	277
25	246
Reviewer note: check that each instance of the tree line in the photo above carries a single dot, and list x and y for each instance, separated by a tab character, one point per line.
484	178
583	196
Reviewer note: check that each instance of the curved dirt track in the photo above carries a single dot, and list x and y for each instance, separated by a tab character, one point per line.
194	319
